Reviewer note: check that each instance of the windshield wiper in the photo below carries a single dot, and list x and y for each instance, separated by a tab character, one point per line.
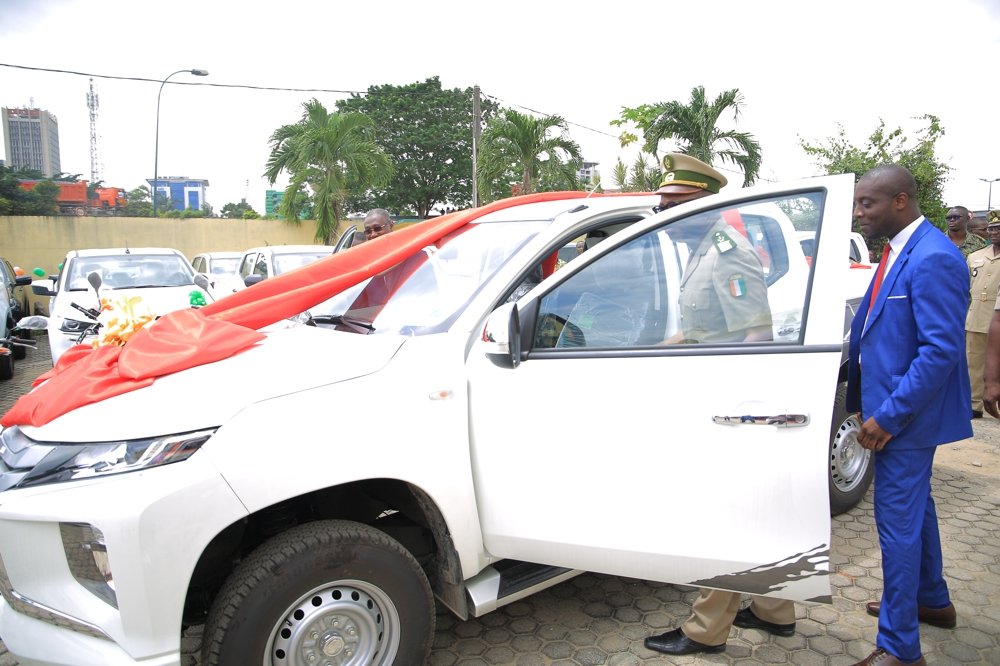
353	323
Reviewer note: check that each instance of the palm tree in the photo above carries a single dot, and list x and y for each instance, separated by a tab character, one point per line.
334	154
641	177
516	143
693	127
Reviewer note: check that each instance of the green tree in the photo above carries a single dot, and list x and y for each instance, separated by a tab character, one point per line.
517	150
138	202
693	127
838	155
330	154
640	177
427	133
14	199
239	211
42	199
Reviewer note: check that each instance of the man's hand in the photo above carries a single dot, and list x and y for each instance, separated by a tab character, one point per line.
872	436
991	394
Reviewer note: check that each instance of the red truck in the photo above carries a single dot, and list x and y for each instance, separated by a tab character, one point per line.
73	198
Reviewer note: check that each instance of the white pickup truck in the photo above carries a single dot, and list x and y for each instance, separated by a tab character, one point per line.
423	434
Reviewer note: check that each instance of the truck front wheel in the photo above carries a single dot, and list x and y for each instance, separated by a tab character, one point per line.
328	592
851	465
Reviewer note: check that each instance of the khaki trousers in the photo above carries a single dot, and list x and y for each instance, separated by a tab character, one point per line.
713	612
975	352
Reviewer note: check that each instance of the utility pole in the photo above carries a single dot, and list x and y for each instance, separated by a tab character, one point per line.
477	118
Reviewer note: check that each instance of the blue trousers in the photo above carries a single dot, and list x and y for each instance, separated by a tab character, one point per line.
911	547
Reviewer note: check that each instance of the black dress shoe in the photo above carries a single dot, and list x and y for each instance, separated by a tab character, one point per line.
675	642
746	619
976	414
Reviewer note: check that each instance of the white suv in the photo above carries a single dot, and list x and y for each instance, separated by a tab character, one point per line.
260	263
423	434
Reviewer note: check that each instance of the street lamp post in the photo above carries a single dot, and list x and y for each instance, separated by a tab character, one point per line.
156	151
989	197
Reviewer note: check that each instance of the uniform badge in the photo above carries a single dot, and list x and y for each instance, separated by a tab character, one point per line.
737	286
723	243
668	163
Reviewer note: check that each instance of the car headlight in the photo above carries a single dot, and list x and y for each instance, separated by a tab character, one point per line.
72	462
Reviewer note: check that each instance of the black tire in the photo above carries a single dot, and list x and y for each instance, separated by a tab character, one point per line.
6	366
20	353
344	591
851	465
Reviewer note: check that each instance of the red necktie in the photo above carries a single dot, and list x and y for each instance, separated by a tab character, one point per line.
879	274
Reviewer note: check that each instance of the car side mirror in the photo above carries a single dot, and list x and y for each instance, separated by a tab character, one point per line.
502	336
251	280
22	280
41	290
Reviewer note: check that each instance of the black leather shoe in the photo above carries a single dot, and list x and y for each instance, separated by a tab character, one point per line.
746	619
976	414
675	642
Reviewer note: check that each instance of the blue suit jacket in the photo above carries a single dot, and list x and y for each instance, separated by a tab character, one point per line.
916	379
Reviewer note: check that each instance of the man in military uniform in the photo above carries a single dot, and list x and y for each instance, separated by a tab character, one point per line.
984	272
723	299
723	293
958	218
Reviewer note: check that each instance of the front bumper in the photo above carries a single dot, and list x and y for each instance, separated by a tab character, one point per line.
156	523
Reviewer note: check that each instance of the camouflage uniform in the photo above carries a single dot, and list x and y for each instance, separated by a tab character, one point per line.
972	244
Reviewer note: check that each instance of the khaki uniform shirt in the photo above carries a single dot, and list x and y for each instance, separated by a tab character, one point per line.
984	273
723	291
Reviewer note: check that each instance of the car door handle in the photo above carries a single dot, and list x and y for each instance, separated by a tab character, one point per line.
780	420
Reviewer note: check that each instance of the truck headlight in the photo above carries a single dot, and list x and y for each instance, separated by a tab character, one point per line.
71	462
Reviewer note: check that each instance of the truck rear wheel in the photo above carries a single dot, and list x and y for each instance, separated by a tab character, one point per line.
851	465
329	592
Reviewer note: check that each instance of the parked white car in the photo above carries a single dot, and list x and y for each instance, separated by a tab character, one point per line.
160	278
422	435
260	263
222	270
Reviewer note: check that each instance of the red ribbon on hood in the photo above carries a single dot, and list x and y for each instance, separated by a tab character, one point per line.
188	338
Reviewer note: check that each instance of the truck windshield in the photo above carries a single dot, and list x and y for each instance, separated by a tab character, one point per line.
424	293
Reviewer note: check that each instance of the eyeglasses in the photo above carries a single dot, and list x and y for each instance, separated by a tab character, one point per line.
670	204
375	228
952	218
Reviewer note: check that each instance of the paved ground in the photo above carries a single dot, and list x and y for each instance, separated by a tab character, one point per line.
596	619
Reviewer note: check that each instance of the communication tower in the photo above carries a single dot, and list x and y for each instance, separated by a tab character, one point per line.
92	104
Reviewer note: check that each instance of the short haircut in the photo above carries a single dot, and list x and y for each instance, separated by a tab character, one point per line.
894	177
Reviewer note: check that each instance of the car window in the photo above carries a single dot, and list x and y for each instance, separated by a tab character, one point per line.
260	266
288	262
223	266
710	278
129	271
246	268
424	293
198	264
769	244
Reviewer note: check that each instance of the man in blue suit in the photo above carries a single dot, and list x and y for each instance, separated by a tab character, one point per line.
909	379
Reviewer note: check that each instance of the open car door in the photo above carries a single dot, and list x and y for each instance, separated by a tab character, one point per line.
601	444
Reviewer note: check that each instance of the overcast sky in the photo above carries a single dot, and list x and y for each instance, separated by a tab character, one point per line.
803	68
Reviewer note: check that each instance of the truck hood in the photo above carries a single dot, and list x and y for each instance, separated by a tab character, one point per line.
289	359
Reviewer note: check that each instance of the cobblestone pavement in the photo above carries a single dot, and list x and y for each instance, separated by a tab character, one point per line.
597	619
